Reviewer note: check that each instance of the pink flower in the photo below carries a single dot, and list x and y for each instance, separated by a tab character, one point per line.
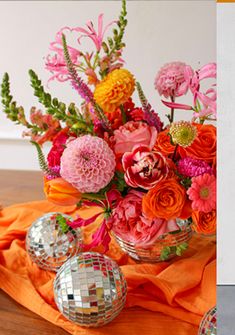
88	163
203	193
131	224
56	63
144	168
170	80
191	167
134	133
96	37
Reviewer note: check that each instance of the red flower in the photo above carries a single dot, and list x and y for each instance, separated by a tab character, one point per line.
144	168
58	147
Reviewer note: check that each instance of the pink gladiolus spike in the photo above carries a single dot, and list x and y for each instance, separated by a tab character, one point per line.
207	71
176	105
80	222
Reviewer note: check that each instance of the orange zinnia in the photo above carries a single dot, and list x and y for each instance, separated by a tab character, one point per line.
165	200
60	192
204	223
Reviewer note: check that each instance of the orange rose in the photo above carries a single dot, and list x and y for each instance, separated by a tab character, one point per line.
204	223
163	143
165	200
60	192
204	146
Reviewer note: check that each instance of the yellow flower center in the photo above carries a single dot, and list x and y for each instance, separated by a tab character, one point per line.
204	192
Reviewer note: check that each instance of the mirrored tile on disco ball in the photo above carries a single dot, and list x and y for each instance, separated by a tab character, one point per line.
98	289
48	246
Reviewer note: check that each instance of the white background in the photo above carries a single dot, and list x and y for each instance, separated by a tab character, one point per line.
226	148
158	32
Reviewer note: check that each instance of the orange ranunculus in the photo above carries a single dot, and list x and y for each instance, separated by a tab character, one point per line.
60	192
204	146
165	200
163	143
204	223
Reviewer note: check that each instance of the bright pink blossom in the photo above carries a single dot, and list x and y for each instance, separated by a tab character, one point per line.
170	80
203	193
132	225
191	167
88	164
58	146
134	133
144	168
55	63
96	37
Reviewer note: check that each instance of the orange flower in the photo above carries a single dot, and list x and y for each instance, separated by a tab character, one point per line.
204	146
114	90
163	143
204	223
60	192
165	200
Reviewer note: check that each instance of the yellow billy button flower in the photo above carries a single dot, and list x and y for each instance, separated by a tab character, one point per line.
114	90
183	133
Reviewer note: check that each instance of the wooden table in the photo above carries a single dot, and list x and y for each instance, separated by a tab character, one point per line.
21	186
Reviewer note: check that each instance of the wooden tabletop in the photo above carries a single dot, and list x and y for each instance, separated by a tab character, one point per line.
21	186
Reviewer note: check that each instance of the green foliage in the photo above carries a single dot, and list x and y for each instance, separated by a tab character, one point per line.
177	250
41	159
60	219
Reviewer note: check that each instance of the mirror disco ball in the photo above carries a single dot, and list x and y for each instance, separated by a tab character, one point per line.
90	289
208	324
48	246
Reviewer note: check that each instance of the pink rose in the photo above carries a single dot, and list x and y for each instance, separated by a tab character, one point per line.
133	133
144	168
130	223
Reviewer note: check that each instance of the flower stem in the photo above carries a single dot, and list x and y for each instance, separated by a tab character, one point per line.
175	151
172	110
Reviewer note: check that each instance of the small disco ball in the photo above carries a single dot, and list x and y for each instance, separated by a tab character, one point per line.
48	246
90	289
208	324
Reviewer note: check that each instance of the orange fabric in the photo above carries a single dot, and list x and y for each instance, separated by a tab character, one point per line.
163	298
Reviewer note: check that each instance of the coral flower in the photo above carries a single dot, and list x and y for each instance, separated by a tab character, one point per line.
203	193
170	80
131	134
144	168
163	143
88	163
183	133
204	146
166	200
204	223
60	192
114	90
132	225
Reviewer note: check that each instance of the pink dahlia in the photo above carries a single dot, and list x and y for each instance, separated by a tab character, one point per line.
170	80
203	193
133	133
88	163
191	167
144	168
132	225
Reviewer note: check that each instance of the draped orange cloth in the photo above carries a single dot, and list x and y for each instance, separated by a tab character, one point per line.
164	298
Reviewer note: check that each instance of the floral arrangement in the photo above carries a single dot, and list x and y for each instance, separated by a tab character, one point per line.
116	155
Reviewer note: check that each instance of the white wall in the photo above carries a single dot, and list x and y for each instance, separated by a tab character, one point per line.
226	148
157	32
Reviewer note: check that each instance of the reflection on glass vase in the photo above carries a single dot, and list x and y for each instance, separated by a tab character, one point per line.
164	248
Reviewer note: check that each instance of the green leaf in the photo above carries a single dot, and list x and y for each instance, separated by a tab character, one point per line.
60	219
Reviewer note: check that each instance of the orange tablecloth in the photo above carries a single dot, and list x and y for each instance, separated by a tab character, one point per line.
171	296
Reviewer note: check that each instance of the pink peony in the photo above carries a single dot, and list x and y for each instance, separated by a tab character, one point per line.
88	164
133	133
131	224
170	80
203	193
144	168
